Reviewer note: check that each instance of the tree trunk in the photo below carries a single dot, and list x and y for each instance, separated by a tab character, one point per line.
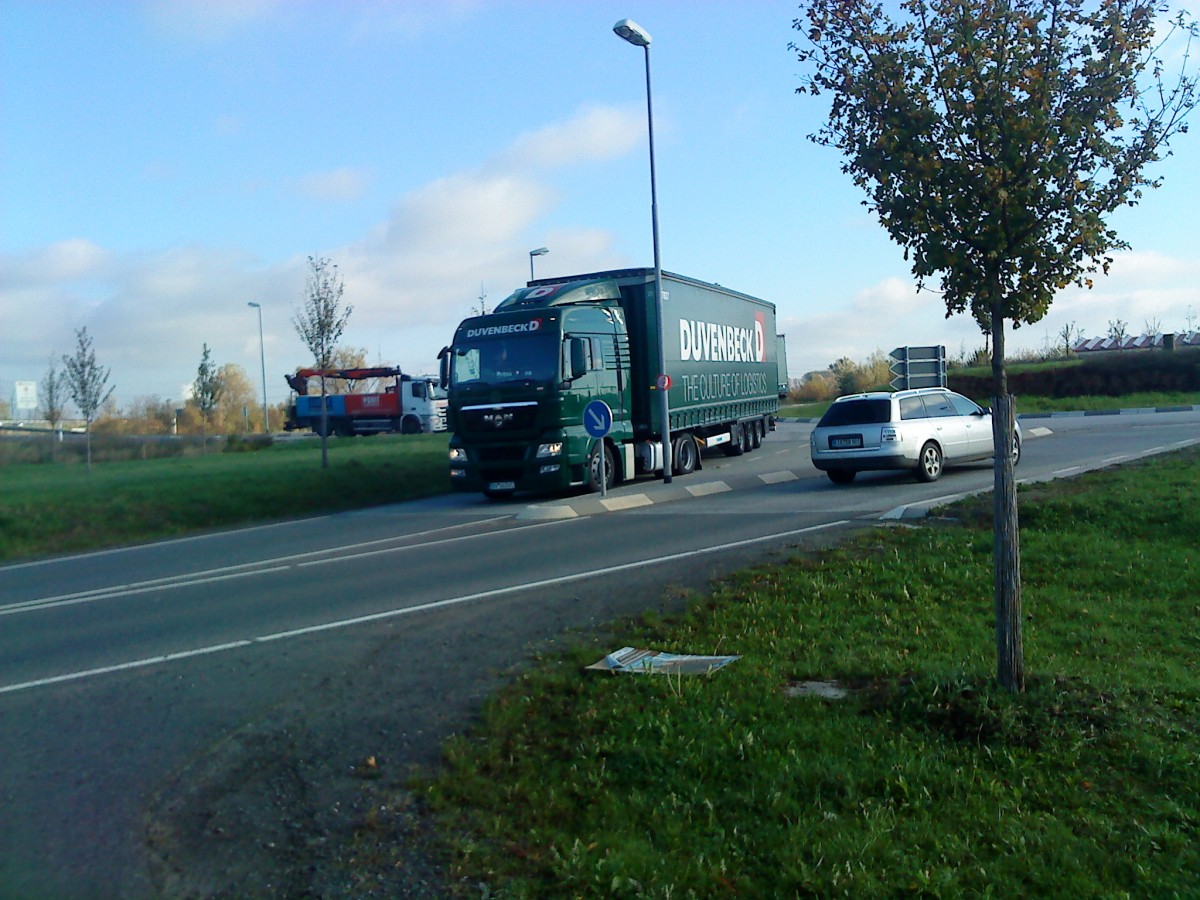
1006	537
324	423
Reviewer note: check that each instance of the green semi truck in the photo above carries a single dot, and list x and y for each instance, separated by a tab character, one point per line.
519	379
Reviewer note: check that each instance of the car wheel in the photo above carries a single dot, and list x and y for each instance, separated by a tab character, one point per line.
929	463
593	480
1016	450
685	455
841	476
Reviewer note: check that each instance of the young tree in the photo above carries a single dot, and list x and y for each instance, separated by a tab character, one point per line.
54	402
1118	331
238	401
1068	335
206	392
993	137
320	324
86	381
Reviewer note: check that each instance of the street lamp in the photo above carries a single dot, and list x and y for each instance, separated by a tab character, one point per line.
630	31
262	358
540	251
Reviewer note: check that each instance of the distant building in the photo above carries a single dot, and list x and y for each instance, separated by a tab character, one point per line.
1183	341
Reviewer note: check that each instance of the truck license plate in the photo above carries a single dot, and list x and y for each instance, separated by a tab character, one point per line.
502	486
845	442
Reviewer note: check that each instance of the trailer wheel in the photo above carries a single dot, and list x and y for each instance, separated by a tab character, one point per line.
593	469
736	445
410	425
684	455
756	434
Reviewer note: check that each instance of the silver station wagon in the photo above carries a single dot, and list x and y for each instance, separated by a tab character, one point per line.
923	430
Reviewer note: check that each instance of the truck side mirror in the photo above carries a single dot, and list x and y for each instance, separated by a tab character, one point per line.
444	368
579	357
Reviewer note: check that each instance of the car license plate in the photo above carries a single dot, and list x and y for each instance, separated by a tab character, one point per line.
846	442
502	486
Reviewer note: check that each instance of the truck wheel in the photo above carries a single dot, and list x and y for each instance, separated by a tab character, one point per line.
318	431
756	434
593	479
735	447
410	425
344	429
684	455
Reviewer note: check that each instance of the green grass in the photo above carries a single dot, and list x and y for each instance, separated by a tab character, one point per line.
60	507
927	779
1040	404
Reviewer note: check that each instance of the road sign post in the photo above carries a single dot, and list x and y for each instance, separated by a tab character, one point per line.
597	422
915	367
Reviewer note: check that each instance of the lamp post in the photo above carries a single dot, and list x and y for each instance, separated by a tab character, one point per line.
630	31
262	358
540	251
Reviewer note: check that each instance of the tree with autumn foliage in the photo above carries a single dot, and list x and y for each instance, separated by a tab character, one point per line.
993	138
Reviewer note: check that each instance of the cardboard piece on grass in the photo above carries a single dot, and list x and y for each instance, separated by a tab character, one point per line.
656	662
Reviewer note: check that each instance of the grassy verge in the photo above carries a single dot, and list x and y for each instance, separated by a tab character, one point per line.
1042	404
58	507
925	778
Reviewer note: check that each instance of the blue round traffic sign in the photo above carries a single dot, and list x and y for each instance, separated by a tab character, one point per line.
597	418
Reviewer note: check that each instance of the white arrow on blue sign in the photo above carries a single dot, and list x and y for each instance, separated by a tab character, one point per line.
597	418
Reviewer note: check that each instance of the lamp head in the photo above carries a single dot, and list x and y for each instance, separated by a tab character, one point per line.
629	30
540	251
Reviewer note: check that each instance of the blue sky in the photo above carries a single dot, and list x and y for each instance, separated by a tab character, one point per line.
162	164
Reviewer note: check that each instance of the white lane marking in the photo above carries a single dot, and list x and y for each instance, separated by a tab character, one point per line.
242	570
778	477
628	501
202	537
127	591
709	487
396	613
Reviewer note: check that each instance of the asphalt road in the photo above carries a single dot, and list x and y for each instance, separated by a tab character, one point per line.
119	670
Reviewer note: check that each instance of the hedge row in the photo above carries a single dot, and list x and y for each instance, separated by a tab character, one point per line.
1110	375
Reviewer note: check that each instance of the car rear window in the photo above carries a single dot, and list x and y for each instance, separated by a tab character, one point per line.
857	412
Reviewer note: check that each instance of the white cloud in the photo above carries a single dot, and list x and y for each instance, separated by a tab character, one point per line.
593	134
338	185
208	20
1143	288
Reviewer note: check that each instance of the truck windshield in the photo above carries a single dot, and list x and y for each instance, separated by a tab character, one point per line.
496	361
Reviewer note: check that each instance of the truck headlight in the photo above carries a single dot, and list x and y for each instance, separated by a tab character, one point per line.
458	455
554	448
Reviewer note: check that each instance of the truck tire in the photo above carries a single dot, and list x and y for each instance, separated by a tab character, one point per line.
685	456
736	445
593	467
410	425
757	431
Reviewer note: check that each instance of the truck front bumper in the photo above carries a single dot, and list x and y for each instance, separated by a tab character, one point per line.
506	468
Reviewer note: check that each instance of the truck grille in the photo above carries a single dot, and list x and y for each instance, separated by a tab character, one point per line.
497	418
